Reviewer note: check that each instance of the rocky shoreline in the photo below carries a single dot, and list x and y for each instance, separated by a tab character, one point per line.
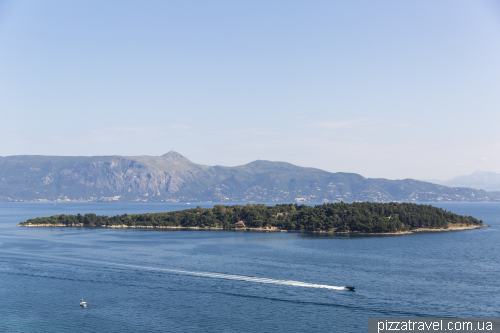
123	226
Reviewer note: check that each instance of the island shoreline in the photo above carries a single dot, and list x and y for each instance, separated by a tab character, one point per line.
419	230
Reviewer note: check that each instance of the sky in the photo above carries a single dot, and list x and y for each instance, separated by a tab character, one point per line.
387	89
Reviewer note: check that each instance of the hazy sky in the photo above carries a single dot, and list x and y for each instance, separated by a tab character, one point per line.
393	89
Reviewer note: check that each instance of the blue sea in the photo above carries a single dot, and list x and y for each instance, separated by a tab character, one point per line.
223	281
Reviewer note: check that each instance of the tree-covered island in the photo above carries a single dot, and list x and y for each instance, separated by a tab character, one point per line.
365	217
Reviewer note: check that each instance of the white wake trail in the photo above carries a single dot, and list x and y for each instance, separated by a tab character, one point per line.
240	278
202	274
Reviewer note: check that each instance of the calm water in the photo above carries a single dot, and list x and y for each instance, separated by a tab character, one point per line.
216	281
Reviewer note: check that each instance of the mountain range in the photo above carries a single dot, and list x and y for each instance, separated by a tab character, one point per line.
173	177
484	180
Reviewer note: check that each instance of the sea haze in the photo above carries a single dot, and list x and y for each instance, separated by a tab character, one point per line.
223	281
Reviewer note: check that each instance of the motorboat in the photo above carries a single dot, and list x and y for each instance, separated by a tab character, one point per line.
351	288
83	304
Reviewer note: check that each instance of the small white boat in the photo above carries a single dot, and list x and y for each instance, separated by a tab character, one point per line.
83	304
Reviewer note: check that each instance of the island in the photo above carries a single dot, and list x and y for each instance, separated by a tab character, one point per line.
357	217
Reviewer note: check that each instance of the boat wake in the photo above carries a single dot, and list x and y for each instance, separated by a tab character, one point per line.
254	279
209	275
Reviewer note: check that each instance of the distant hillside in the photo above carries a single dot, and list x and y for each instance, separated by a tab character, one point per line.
484	180
172	177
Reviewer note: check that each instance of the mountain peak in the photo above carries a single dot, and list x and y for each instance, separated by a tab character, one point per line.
174	157
172	154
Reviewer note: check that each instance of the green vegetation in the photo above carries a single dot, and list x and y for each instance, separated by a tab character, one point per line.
358	217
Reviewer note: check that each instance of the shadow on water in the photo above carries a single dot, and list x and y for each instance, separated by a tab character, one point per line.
324	235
